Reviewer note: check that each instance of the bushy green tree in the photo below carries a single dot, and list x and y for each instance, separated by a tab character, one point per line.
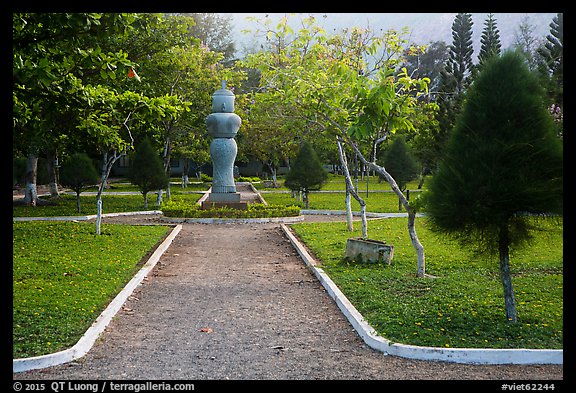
401	164
78	172
306	173
147	171
502	164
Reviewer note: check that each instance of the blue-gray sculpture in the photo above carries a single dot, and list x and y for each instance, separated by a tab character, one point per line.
223	125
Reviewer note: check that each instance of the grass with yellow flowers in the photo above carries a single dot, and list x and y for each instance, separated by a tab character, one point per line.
464	305
64	276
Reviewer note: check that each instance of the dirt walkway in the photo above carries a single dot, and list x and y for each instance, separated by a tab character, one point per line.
234	301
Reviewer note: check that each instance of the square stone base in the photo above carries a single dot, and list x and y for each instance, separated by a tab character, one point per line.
224	197
217	200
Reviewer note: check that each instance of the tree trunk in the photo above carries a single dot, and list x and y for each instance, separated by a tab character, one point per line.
351	189
185	169
98	213
421	266
305	198
146	198
158	199
78	202
273	171
367	181
166	157
503	249
421	260
107	164
52	165
349	221
274	177
31	194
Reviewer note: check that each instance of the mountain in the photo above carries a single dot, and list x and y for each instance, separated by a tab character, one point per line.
424	27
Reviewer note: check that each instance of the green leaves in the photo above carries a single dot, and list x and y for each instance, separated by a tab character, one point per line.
329	76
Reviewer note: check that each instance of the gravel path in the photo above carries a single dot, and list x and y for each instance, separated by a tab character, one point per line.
234	301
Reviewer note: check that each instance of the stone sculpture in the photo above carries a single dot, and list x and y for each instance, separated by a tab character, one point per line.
223	124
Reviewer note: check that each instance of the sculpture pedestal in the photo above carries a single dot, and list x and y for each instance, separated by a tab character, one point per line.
223	197
217	200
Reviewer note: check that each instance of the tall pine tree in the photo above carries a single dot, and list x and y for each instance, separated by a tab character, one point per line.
502	164
552	54
460	62
454	78
490	41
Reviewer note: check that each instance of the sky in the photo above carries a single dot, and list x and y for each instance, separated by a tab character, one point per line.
424	27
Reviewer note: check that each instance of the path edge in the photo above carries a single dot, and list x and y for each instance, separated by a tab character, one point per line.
492	356
86	342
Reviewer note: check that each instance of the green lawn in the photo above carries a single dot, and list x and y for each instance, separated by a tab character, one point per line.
337	183
379	199
64	276
66	205
376	202
463	306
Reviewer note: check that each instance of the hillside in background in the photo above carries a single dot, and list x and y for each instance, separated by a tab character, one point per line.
424	27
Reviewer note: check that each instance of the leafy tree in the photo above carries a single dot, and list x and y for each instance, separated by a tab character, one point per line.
111	119
54	55
525	42
351	86
490	41
264	138
147	171
502	165
306	173
401	164
214	31
178	63
428	63
78	172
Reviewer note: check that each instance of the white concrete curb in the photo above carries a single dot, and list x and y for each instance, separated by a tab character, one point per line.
289	220
86	342
84	218
456	355
319	212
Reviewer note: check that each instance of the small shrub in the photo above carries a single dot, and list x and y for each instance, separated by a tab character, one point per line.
147	170
205	178
253	179
78	173
185	209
